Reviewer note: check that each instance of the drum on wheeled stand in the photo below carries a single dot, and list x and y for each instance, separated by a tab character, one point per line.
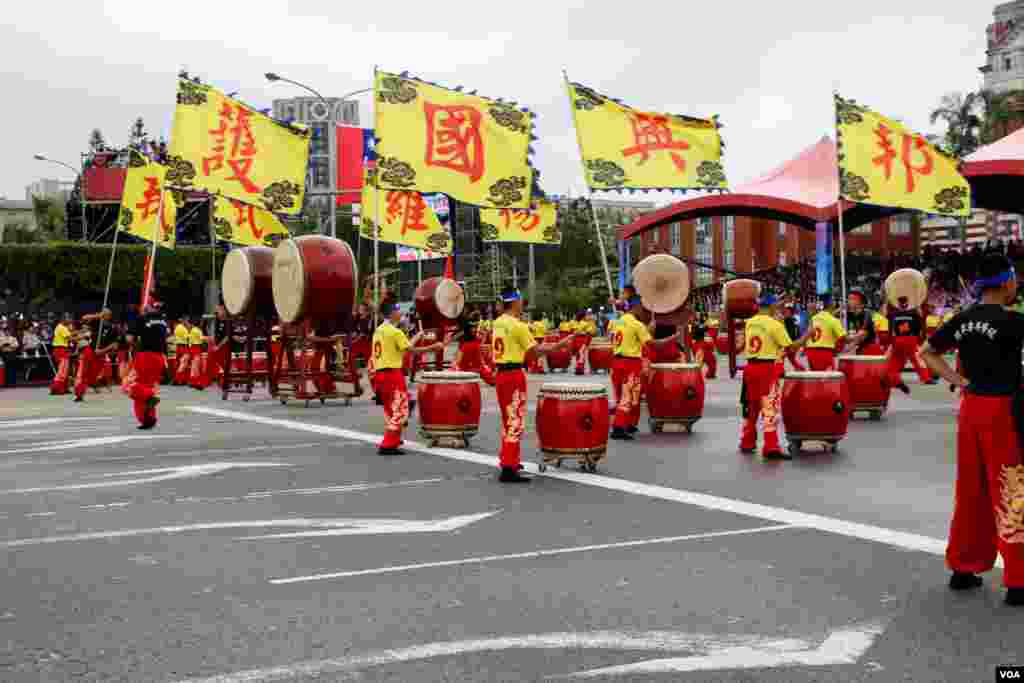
868	380
675	396
573	422
815	407
449	407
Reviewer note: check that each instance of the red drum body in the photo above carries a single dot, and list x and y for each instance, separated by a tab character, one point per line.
868	381
449	407
247	282
741	298
815	407
601	354
315	279
439	302
675	395
884	339
560	359
573	422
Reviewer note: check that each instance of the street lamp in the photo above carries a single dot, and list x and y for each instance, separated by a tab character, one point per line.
81	189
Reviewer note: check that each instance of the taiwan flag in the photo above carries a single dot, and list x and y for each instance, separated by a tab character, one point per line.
355	150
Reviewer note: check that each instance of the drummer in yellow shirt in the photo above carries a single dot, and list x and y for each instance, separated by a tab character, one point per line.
585	330
62	338
826	335
538	328
882	330
181	367
765	342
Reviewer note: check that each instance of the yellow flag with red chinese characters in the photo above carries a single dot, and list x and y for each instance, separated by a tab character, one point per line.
884	163
432	139
221	146
148	209
407	219
537	225
240	223
624	148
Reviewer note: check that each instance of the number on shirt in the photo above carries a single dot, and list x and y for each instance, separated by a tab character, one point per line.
378	351
904	328
617	338
817	334
499	348
755	344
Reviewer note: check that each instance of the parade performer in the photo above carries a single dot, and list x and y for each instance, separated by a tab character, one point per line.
218	357
512	346
324	359
988	515
124	359
390	346
93	357
585	330
62	339
182	365
199	376
793	330
470	357
882	329
826	335
765	341
274	357
149	337
362	327
665	352
538	328
615	336
704	345
861	325
907	330
627	374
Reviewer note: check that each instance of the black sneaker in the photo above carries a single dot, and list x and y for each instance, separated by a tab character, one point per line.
1014	597
904	388
390	451
148	424
632	429
748	451
776	455
512	475
620	434
962	581
78	399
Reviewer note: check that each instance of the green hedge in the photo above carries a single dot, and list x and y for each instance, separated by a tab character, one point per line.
69	271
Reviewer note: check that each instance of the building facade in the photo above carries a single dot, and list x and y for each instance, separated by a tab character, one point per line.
319	116
50	188
16	214
1004	70
718	247
944	232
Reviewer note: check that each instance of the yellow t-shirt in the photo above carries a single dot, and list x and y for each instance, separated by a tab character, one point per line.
630	337
613	331
881	322
538	328
195	336
946	318
180	334
826	331
586	327
61	336
932	321
512	339
389	347
766	338
567	326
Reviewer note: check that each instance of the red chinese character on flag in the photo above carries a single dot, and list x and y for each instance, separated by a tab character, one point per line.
911	144
410	207
150	198
527	219
247	216
454	140
243	146
652	133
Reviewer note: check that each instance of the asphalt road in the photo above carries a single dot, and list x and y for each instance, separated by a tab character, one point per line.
257	542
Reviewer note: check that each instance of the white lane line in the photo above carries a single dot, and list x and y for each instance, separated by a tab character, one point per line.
159	475
48	421
89	443
866	532
22	434
534	554
212	451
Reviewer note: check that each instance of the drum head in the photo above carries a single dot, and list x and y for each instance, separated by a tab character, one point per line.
569	390
237	282
865	359
663	282
670	367
450	299
289	281
812	375
447	377
734	288
907	282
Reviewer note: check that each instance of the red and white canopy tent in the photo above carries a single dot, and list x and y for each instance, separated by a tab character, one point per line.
996	174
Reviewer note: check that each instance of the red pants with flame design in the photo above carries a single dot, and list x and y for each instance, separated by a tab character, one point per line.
704	353
626	377
149	370
511	388
183	364
391	388
988	516
62	358
763	398
902	350
580	347
90	366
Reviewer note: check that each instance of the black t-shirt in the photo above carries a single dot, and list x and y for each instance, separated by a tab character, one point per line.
862	322
792	327
664	331
698	331
151	333
989	338
109	335
905	323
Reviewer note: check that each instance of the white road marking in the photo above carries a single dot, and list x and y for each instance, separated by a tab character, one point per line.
845	646
324	527
641	641
48	421
22	434
213	451
832	525
90	443
162	474
534	554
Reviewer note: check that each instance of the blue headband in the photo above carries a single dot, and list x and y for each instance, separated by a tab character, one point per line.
509	298
633	302
996	280
769	300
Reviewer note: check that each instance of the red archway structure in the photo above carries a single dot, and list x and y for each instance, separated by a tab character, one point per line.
996	174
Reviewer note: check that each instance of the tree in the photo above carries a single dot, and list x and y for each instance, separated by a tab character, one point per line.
963	116
97	143
50	219
138	136
997	115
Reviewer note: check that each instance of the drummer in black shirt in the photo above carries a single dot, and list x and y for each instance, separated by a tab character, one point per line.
103	341
149	335
861	325
988	515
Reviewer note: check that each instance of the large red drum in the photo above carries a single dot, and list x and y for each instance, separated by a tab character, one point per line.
573	422
449	407
247	282
560	359
815	407
868	380
315	279
439	302
741	298
600	354
675	395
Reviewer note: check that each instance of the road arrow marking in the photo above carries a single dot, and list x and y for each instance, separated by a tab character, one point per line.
90	443
156	475
845	646
644	641
323	527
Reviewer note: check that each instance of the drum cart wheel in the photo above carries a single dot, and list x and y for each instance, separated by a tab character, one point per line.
541	467
689	428
655	427
876	415
833	446
323	401
795	447
347	402
307	403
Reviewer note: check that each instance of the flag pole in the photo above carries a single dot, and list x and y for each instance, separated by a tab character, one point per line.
376	218
110	276
590	193
840	211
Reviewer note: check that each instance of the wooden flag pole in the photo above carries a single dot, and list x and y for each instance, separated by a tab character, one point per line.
840	210
376	218
590	194
110	276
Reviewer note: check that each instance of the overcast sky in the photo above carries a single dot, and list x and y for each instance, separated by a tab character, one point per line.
767	68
